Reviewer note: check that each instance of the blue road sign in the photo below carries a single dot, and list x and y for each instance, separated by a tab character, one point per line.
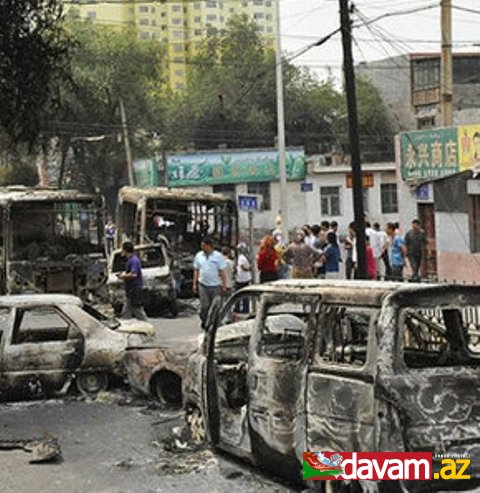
306	186
248	203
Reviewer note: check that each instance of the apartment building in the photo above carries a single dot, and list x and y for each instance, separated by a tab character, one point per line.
180	25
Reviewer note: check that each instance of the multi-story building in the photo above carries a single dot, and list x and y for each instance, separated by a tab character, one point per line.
410	87
180	25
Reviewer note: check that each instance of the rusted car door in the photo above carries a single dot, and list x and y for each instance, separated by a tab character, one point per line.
276	380
43	343
433	383
340	381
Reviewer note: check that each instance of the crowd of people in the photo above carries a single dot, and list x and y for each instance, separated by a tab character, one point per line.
315	251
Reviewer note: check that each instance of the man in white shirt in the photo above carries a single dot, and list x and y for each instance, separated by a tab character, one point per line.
379	250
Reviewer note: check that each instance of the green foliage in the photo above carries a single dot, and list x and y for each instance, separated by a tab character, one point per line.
108	65
33	51
231	99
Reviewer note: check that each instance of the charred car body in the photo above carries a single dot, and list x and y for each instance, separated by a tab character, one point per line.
158	282
340	366
47	341
51	241
182	217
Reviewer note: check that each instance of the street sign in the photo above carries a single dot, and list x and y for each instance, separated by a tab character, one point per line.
306	186
250	202
367	180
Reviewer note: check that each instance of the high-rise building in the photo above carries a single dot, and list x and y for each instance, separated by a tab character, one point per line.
180	25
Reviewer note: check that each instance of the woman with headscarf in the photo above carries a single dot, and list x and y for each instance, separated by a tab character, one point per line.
268	260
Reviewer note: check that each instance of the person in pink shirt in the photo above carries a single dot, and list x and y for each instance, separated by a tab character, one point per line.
371	265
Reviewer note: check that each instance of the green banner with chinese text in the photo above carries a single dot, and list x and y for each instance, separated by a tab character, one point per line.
429	154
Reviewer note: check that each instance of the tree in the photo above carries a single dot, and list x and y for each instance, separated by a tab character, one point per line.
108	65
33	51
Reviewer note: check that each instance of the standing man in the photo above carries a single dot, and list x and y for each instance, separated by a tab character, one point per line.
209	277
379	246
397	260
110	233
132	305
416	248
302	257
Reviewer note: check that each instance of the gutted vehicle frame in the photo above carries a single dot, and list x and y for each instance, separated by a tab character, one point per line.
48	341
340	366
158	281
51	241
182	217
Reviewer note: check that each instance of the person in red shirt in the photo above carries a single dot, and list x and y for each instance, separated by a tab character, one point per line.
268	260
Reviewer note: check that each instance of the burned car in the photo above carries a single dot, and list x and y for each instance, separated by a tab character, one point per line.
158	283
157	372
48	341
340	366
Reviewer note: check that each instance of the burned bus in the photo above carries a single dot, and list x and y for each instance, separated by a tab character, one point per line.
181	217
51	241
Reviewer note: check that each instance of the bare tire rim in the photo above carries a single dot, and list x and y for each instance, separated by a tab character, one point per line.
92	383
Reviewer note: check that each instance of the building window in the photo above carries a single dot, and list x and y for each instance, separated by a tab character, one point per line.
257	2
176	21
263	189
144	35
269	17
269	29
196	5
211	4
198	32
154	22
92	15
258	15
176	8
152	10
177	34
179	85
142	9
261	29
211	18
177	47
179	73
475	223
197	19
143	22
389	198
330	201
268	3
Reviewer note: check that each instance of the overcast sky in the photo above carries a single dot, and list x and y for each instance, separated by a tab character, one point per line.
304	21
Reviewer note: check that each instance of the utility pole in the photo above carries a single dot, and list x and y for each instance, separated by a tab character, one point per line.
446	63
349	73
126	140
281	132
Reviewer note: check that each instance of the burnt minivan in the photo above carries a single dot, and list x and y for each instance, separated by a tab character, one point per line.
339	366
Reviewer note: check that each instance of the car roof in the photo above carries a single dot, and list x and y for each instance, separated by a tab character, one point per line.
39	299
357	292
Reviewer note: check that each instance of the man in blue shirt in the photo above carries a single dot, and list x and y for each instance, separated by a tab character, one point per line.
397	253
209	277
132	306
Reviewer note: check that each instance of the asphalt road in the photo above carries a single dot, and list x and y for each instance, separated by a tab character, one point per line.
112	446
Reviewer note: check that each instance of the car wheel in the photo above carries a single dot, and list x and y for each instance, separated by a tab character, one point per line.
196	425
174	307
117	309
92	383
167	388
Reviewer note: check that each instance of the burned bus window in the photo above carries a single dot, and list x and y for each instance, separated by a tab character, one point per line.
440	337
343	334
